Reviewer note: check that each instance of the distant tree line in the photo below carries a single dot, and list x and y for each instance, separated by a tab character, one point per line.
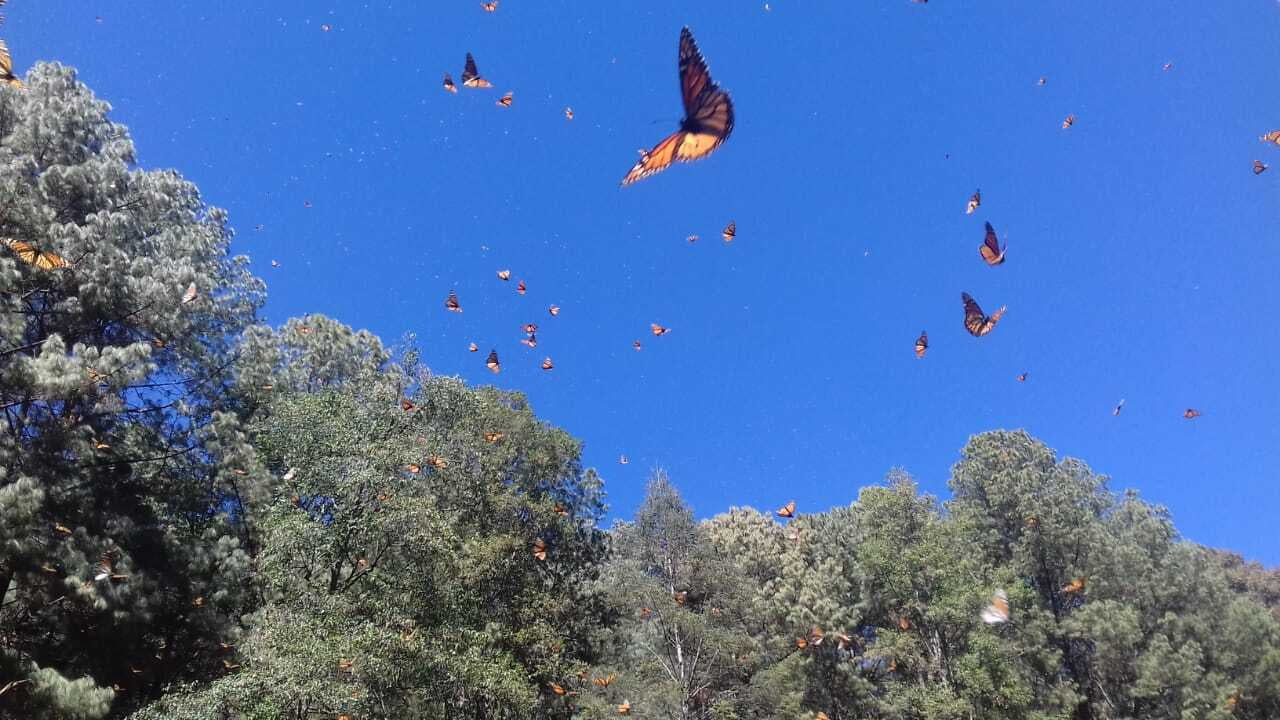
205	518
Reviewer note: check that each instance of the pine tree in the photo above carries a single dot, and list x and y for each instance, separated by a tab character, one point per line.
117	570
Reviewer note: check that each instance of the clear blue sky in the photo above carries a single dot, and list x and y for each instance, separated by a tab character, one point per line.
1142	249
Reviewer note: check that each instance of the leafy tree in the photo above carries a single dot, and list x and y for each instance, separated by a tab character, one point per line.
117	570
398	544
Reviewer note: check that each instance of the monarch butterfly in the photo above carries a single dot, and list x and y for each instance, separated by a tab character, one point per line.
6	67
1071	120
787	511
635	345
1022	377
492	362
682	597
625	708
493	437
230	665
1259	167
521	287
531	341
290	474
436	462
1031	522
505	100
974	321
816	636
645	613
1271	137
407	405
561	510
530	328
1233	700
1043	80
1119	407
448	84
843	641
1074	586
504	275
413	468
451	303
708	117
472	347
821	715
471	77
275	263
1168	66
539	551
107	570
1192	414
922	344
554	310
325	27
801	643
307	204
490	6
624	460
692	239
730	231
974	201
547	364
904	624
28	253
998	611
189	296
604	682
990	248
345	665
556	688
658	330
568	113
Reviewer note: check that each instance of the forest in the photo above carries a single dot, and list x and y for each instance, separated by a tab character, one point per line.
203	518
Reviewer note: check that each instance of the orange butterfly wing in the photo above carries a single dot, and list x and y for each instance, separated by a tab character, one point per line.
990	248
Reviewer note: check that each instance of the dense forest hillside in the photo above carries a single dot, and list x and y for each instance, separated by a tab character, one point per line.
205	518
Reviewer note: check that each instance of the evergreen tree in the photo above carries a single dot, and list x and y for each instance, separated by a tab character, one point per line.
117	570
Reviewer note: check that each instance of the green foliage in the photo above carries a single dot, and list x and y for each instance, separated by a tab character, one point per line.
113	440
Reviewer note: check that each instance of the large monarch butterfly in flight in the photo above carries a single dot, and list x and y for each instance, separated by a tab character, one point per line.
30	254
6	67
974	321
708	117
990	248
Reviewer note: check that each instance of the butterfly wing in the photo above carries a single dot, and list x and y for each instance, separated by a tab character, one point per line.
974	320
990	248
922	344
998	610
469	71
656	160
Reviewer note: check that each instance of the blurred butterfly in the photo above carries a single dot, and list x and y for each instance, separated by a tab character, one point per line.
1074	586
821	715
658	330
554	310
1259	167
998	611
1168	66
6	67
682	597
1271	137
1191	414
974	201
922	344
974	321
604	682
530	328
787	511
471	77
31	255
521	287
407	405
290	475
816	636
448	84
1071	120
307	204
730	231
531	341
645	613
635	345
561	510
904	624
843	641
413	468
692	239
436	462
275	263
625	708
493	437
623	460
547	364
802	643
490	6
1043	80
189	296
568	113
505	100
452	302
540	551
492	363
230	665
1119	407
326	27
107	570
1022	377
473	348
556	688
707	123
990	248
504	275
345	665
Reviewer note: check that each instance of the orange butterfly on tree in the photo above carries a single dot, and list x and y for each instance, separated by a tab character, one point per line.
28	253
604	682
625	708
975	322
539	549
990	248
998	610
707	123
471	76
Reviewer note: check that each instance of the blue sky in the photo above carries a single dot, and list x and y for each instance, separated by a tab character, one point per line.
1142	249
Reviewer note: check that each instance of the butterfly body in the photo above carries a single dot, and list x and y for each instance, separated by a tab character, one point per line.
707	123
